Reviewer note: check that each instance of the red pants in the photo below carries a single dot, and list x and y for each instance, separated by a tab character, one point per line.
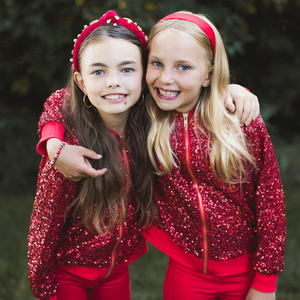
83	283
182	283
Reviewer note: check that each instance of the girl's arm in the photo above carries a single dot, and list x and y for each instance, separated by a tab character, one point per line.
54	194
270	210
71	161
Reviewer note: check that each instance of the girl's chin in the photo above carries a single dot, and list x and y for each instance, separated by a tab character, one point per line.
166	106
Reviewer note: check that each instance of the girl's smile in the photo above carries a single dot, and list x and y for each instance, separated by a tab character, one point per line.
166	94
115	98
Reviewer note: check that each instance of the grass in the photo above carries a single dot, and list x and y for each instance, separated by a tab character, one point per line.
147	273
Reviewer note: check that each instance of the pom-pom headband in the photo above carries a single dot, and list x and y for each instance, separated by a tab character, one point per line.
202	24
110	18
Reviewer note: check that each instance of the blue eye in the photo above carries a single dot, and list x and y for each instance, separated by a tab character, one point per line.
157	63
98	72
183	68
127	70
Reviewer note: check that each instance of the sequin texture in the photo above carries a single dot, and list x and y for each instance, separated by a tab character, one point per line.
199	211
53	241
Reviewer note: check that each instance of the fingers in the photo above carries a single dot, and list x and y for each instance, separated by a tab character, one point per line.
245	112
248	110
257	107
241	108
253	112
229	102
83	172
89	153
90	172
85	169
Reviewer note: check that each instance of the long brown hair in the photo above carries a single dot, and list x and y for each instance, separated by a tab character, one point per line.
101	202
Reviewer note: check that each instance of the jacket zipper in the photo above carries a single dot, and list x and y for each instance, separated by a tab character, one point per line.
187	152
124	152
121	226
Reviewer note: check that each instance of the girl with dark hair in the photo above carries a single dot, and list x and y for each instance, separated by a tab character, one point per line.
83	236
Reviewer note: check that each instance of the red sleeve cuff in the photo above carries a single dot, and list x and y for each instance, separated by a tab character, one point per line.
53	298
50	130
265	283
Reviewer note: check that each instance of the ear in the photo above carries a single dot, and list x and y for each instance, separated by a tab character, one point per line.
79	81
207	81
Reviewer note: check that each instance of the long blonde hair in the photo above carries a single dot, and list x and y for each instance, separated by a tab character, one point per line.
228	148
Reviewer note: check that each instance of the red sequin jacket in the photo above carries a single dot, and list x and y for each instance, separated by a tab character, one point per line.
206	225
52	241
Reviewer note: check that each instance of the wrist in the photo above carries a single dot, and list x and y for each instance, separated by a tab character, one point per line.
52	145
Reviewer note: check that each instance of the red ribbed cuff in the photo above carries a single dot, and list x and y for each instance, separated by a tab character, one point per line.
265	283
49	131
53	298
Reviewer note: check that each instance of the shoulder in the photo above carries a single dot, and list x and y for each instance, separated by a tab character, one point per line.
258	138
256	129
58	96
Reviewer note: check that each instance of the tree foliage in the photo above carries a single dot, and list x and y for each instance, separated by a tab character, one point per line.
261	38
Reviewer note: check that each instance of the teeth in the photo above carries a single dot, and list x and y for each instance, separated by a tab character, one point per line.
168	94
114	97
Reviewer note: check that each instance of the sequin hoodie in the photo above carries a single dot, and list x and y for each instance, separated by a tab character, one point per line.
209	227
52	241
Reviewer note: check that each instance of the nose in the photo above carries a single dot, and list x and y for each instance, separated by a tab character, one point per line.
167	76
113	80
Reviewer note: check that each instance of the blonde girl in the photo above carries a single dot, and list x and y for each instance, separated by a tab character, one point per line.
83	236
219	194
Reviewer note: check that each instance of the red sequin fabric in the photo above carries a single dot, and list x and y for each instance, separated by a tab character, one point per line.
52	240
213	222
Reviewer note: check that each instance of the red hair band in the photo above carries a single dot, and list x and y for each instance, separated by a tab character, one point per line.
202	24
108	19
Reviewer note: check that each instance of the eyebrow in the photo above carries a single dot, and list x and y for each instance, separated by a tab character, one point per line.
177	61
123	63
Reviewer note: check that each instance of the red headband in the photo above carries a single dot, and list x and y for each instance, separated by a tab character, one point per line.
196	20
110	18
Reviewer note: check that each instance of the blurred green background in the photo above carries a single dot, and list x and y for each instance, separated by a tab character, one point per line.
262	41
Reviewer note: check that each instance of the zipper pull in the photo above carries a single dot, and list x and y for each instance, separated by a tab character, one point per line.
185	119
123	141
